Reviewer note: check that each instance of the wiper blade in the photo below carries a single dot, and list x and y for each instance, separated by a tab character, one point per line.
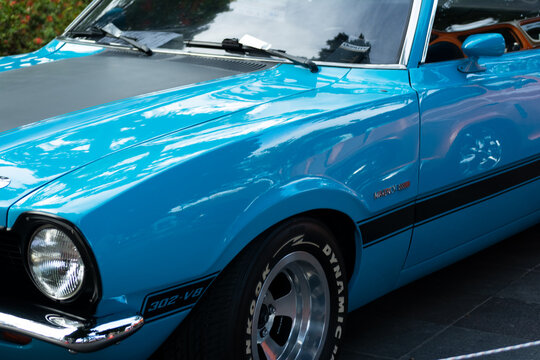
253	42
111	30
249	43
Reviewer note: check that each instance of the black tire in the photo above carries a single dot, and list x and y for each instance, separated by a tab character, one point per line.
251	294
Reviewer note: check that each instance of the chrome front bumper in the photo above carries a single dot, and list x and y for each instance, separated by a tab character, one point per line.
68	331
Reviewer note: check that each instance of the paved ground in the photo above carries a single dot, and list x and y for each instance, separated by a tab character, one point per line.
487	301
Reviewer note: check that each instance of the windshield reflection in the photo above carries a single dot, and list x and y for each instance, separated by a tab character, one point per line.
348	31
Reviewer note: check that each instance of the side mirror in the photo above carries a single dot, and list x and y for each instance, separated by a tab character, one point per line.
481	45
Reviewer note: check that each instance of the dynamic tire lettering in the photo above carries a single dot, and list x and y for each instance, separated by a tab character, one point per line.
285	295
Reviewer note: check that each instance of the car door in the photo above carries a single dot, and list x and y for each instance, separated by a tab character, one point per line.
480	132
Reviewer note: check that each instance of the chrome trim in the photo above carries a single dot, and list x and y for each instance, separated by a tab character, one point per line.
231	57
235	57
363	66
411	32
70	332
430	29
280	61
86	10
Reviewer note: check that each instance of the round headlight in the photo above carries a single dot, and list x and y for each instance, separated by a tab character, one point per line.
55	263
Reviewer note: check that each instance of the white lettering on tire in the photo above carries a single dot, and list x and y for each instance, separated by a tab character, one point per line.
332	260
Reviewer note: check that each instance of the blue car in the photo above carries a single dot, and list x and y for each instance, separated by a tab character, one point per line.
226	179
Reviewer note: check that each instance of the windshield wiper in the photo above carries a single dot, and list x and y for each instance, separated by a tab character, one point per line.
253	42
111	30
249	43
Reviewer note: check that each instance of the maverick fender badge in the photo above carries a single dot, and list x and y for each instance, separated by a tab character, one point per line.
391	190
4	181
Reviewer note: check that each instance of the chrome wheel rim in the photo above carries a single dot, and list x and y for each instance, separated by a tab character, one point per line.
291	312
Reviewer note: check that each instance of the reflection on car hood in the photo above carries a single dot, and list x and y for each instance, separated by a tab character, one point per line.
125	100
41	92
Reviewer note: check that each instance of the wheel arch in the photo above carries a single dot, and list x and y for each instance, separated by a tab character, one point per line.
322	199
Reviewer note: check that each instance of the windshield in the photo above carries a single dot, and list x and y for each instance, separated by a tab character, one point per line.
347	31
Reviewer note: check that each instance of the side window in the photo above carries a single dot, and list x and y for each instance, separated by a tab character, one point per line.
518	21
532	28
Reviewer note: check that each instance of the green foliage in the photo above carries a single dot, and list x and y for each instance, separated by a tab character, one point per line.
27	25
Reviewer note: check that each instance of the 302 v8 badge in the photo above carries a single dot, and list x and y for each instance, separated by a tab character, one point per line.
178	298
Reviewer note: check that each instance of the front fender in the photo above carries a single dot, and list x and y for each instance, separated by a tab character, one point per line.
294	198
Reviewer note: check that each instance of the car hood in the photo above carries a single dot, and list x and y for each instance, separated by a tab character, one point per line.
62	115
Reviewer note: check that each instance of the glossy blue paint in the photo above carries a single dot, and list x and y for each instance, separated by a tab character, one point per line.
181	180
484	45
379	269
68	142
473	125
238	178
54	51
459	232
511	201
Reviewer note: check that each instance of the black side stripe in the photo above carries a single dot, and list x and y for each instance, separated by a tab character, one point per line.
429	209
387	224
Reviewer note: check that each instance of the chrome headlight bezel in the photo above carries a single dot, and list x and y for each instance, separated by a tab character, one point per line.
89	294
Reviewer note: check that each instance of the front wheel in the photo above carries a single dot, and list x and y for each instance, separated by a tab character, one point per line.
283	297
